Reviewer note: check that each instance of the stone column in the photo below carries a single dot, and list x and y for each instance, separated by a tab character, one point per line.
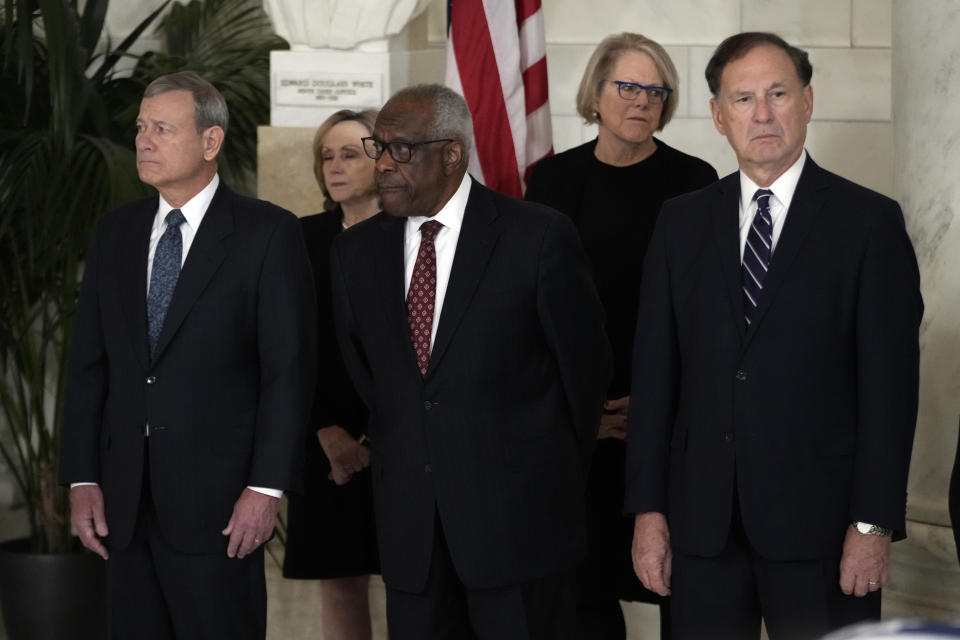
926	131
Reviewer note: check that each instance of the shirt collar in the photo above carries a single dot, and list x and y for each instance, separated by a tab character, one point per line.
783	187
195	208
451	214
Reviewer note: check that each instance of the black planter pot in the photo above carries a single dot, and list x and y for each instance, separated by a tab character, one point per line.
52	596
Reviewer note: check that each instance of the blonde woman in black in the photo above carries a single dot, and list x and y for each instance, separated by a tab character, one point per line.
330	528
612	187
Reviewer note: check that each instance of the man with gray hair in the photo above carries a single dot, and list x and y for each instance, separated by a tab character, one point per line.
471	328
189	383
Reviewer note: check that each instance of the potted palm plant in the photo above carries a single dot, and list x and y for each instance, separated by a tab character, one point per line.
66	156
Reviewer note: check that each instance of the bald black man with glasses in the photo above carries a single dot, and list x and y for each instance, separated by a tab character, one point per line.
472	330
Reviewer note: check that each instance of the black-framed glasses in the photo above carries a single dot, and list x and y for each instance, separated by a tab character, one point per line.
399	151
632	90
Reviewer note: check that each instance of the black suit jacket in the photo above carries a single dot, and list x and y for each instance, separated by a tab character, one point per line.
809	414
227	392
497	436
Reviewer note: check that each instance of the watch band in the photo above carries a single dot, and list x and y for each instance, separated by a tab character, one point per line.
868	529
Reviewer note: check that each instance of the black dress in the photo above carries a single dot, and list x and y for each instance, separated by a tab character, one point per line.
330	528
615	209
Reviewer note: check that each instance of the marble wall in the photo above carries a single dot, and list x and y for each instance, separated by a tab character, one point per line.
849	45
926	87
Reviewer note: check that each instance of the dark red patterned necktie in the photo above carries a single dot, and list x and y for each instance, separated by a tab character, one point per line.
422	294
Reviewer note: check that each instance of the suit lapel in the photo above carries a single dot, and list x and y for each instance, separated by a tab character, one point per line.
726	229
478	236
204	258
390	276
806	209
133	278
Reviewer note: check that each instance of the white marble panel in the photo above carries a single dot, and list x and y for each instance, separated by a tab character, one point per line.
824	23
568	132
871	23
416	67
926	72
675	22
698	137
565	66
859	151
699	96
681	60
851	84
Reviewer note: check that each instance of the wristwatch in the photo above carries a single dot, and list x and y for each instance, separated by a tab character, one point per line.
868	529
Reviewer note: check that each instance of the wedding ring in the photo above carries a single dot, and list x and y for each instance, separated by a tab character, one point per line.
872	582
257	540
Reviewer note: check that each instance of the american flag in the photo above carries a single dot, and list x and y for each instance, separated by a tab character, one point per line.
496	59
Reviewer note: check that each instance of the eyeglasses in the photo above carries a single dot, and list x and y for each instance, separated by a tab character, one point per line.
399	151
631	91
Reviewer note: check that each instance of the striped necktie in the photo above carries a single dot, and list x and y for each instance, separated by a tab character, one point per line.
756	254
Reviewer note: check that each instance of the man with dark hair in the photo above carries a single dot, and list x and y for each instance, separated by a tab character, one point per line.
472	330
776	365
189	382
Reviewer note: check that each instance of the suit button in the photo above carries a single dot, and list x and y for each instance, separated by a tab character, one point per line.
151	379
427	468
728	436
427	405
741	375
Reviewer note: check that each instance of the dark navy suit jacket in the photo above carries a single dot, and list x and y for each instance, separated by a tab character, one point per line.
809	414
228	390
497	437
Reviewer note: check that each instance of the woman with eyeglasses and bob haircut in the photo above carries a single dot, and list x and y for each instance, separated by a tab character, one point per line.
330	527
613	187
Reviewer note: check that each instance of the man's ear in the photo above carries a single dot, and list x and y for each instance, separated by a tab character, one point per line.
454	155
212	141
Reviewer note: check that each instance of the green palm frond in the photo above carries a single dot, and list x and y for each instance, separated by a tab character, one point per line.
65	157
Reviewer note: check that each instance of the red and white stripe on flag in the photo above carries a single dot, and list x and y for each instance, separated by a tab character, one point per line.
496	59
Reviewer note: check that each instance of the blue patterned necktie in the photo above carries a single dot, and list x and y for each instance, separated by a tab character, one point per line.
163	278
756	254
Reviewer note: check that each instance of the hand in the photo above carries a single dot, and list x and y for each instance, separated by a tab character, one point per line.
865	564
87	517
652	558
346	455
251	524
613	422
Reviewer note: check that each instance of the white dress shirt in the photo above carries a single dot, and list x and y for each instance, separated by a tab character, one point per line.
783	189
193	211
451	217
